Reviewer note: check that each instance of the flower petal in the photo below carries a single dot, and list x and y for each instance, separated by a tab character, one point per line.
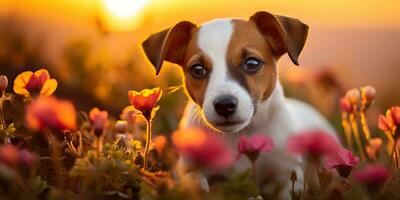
49	87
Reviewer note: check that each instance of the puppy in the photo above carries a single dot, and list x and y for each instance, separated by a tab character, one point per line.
230	75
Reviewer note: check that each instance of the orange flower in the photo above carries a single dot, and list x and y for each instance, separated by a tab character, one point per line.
395	114
98	118
373	147
28	83
145	101
52	113
385	123
160	143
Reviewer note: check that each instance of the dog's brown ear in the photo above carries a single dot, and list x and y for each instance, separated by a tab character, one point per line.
169	45
285	34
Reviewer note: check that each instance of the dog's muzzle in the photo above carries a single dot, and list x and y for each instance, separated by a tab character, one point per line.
225	105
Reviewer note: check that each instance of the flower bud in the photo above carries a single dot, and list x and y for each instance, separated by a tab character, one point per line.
345	105
293	176
354	96
368	93
121	126
3	83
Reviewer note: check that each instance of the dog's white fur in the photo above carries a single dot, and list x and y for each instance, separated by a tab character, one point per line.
277	116
213	40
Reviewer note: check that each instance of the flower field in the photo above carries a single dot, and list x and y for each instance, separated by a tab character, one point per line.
98	99
51	150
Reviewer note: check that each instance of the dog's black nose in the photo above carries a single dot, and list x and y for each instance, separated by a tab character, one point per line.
225	105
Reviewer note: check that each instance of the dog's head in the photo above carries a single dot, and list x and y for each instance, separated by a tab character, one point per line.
228	64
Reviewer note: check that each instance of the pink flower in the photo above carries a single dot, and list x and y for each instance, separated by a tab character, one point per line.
343	161
12	157
130	114
314	143
98	118
373	176
253	145
202	148
26	157
52	113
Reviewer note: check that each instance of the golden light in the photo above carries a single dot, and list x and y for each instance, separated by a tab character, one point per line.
122	15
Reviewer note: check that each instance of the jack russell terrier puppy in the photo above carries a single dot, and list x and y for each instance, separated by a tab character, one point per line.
230	75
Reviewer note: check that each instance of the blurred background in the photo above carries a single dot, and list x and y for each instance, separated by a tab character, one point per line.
92	48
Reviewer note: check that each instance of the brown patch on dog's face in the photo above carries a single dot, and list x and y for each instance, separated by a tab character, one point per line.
195	87
248	42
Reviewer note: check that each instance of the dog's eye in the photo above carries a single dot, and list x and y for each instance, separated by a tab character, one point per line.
252	65
198	71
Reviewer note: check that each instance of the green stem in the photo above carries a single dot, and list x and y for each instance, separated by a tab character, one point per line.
55	156
80	147
148	142
305	180
98	150
392	153
357	136
253	168
3	121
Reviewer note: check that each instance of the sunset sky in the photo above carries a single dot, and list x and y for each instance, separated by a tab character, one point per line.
327	13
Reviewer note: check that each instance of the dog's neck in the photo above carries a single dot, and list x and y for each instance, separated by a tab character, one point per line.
268	108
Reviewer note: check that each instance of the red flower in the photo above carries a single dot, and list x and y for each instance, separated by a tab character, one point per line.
315	143
345	105
39	82
343	161
203	148
373	176
9	155
253	145
145	101
98	118
51	112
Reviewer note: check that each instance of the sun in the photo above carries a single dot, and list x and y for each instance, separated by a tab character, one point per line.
124	8
123	15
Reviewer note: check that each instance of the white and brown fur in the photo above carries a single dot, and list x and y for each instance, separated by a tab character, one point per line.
221	46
